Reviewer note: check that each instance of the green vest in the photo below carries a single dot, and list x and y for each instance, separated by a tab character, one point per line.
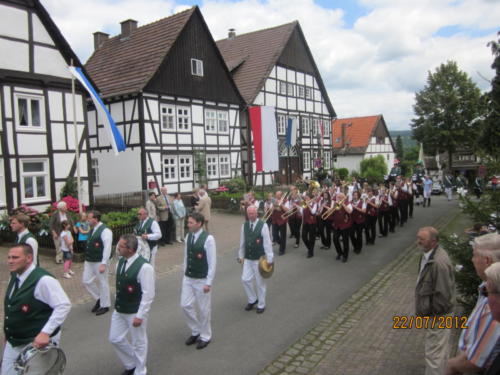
128	289
25	316
23	240
254	243
197	264
146	229
95	246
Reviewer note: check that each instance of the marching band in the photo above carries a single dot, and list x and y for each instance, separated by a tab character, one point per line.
342	213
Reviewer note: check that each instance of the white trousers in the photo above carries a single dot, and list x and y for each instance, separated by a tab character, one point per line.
10	354
91	277
192	297
152	260
257	292
179	229
133	353
449	193
436	350
57	244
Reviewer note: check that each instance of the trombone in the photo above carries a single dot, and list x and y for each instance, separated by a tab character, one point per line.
332	209
271	209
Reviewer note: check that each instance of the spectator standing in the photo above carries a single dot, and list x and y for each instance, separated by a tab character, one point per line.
204	207
82	228
165	214
179	216
152	206
56	219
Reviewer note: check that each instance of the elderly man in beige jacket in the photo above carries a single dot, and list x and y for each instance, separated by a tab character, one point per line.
204	206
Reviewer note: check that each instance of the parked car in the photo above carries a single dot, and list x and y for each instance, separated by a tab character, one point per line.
437	188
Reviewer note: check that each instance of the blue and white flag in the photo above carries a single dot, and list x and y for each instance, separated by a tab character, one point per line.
114	134
291	132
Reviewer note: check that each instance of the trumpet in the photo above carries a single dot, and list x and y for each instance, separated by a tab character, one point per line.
332	209
271	209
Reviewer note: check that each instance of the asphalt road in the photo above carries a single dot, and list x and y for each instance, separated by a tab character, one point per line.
300	293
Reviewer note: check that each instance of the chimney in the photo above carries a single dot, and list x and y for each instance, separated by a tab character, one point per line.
99	39
343	135
231	34
127	27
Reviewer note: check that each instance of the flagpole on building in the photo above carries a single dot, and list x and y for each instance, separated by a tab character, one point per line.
77	151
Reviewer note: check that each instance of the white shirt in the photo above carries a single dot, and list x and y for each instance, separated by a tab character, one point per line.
313	208
210	249
363	206
155	228
65	234
268	249
48	290
107	240
145	277
30	241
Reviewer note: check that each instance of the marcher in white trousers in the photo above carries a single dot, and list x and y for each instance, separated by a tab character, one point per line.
196	305
257	292
97	283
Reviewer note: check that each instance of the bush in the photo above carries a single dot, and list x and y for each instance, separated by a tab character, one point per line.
342	173
486	210
70	188
466	278
374	169
235	185
72	203
117	218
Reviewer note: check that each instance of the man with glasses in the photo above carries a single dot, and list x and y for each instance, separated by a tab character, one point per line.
434	297
478	340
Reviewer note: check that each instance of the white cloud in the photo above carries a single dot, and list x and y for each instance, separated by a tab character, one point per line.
374	67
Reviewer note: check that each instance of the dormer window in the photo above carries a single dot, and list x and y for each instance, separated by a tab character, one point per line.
197	67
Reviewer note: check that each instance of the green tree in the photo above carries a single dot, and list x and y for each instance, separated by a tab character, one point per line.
488	142
373	169
445	109
410	158
399	148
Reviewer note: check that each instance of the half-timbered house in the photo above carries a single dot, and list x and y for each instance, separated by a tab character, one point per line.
275	67
174	101
37	147
358	138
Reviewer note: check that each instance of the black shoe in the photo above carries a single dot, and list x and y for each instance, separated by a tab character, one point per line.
281	253
102	310
250	306
260	310
344	259
192	339
129	372
310	255
338	257
170	243
97	306
202	344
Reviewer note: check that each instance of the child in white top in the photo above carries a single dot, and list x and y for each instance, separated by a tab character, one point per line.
67	248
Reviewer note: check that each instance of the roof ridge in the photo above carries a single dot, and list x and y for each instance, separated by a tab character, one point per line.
356	117
261	30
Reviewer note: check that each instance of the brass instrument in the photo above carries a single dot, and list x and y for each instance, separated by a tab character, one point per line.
292	211
336	206
270	211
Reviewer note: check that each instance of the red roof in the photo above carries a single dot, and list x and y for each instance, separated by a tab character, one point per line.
359	130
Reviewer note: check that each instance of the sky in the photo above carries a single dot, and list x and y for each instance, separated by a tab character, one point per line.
373	55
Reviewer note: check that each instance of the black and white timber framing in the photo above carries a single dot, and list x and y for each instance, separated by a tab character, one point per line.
37	148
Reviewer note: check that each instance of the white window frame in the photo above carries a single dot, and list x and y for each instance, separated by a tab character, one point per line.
183	126
326	128
34	176
328	160
282	120
308	93
282	88
301	91
306	126
210	120
172	165
306	160
290	89
223	117
225	163
197	67
212	166
41	108
165	117
94	163
185	165
315	127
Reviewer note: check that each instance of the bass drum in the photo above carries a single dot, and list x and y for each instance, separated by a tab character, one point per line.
50	360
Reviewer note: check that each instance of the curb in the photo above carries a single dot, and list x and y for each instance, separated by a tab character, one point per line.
307	352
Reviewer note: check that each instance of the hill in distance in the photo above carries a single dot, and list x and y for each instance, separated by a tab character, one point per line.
406	137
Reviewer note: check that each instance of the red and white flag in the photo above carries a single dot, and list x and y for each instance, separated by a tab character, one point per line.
265	138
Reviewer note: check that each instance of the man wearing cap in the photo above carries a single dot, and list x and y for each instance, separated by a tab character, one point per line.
254	242
135	291
19	225
35	307
95	267
199	271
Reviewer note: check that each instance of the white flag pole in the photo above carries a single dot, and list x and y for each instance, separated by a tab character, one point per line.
77	151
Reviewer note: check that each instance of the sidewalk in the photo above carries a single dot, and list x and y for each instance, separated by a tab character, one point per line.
358	338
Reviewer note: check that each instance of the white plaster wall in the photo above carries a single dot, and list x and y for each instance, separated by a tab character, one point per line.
18	56
224	140
197	114
50	61
351	162
198	135
62	164
281	102
211	139
55	107
2	184
118	174
40	34
129	107
58	138
69	107
14	22
259	100
134	137
184	138
32	144
270	85
7	102
168	139
271	99
116	111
